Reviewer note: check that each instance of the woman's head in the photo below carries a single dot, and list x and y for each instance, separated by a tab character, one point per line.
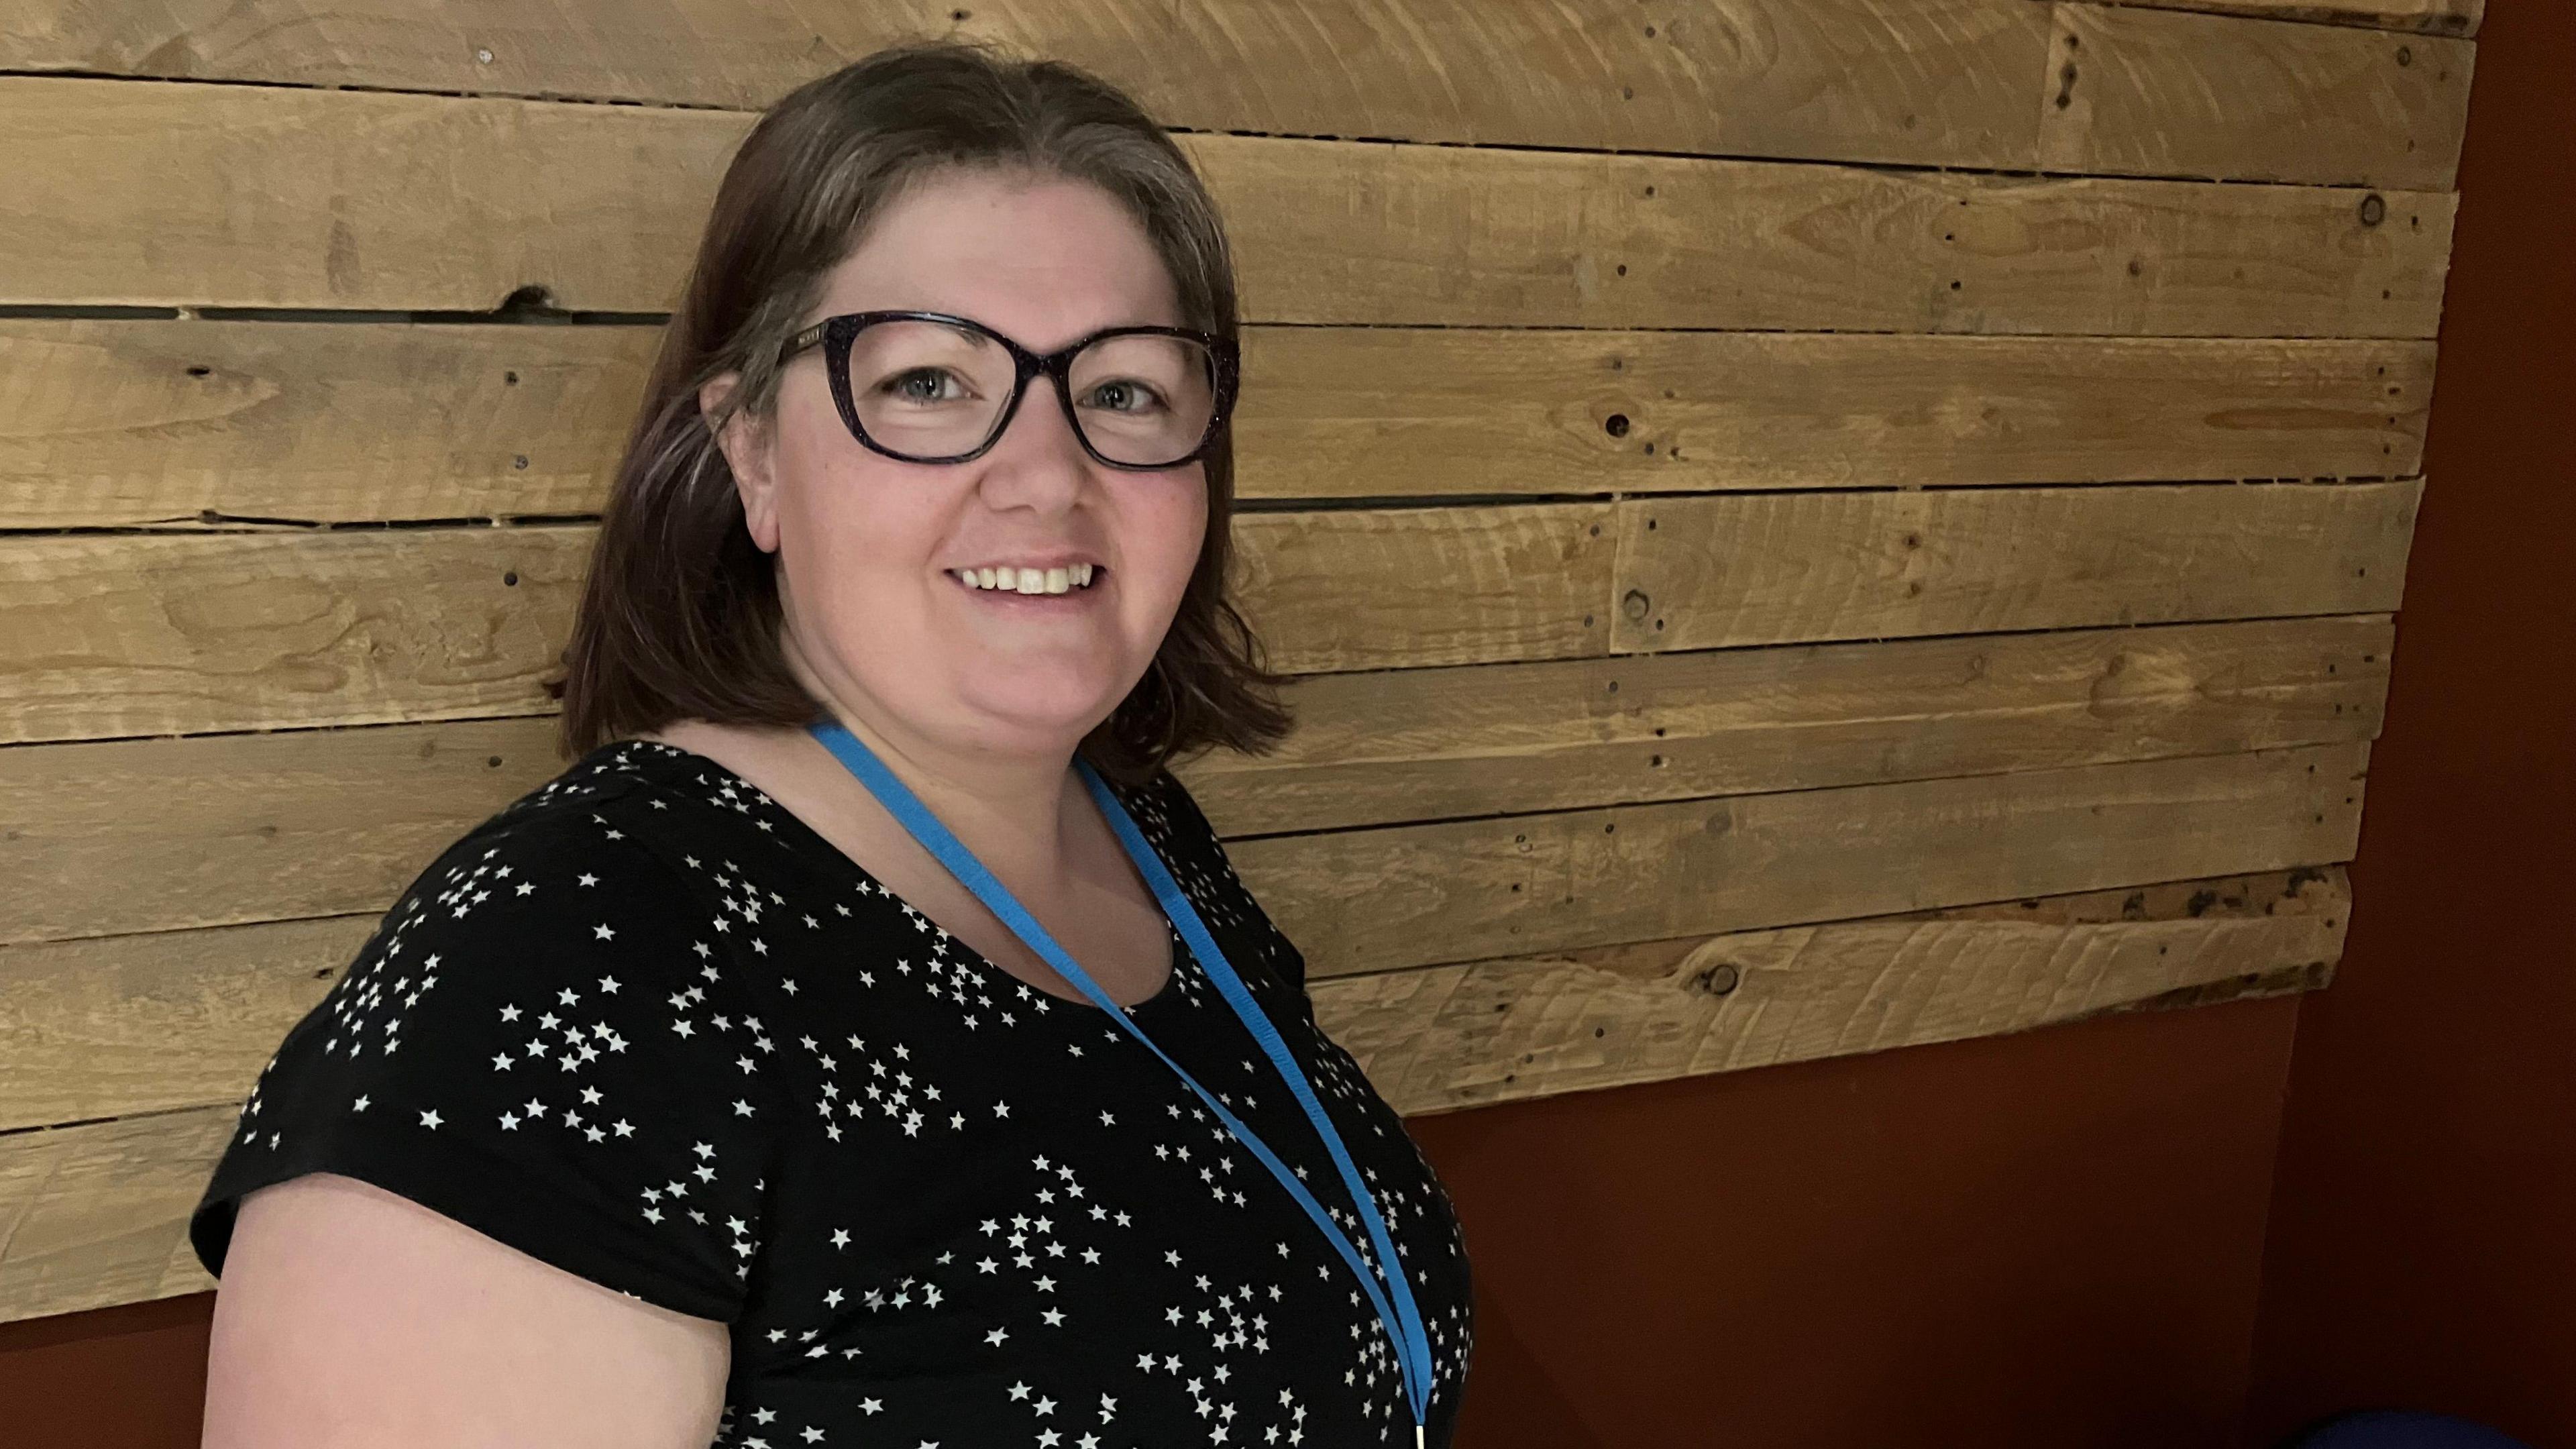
754	552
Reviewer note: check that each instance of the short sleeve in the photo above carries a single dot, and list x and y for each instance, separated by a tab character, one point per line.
545	1041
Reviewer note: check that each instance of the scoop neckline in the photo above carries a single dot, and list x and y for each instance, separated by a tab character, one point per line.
817	841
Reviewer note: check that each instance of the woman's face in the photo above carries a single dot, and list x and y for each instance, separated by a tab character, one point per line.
875	618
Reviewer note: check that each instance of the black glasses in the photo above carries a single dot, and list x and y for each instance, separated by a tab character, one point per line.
928	387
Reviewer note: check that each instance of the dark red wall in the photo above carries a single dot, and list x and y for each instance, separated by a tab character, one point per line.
2049	1240
119	1378
2423	1242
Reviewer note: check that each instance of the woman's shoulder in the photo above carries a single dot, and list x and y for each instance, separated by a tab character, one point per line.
554	896
636	800
609	773
547	1038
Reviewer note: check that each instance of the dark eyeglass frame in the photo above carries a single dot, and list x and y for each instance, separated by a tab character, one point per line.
837	333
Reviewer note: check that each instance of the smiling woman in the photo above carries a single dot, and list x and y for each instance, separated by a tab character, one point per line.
868	541
865	1035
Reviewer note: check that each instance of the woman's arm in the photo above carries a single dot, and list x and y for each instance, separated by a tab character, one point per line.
350	1315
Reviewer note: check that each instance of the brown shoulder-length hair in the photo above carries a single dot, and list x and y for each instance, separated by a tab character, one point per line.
679	617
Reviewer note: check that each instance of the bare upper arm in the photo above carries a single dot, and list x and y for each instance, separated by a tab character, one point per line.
350	1315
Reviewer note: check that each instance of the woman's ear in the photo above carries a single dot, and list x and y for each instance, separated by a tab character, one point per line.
745	442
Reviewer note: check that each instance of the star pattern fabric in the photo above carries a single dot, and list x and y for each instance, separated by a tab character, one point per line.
646	1025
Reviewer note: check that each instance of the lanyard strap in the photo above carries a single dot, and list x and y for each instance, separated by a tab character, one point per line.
1402	1321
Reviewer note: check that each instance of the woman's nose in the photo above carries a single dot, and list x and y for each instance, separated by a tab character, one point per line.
1040	431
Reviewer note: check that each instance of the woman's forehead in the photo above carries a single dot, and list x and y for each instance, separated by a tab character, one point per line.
1043	260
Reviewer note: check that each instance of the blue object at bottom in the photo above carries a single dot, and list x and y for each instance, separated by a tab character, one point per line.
2385	1429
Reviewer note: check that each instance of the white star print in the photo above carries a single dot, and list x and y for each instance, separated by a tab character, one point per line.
651	1023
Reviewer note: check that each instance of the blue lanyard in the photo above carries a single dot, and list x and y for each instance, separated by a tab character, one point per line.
1402	1322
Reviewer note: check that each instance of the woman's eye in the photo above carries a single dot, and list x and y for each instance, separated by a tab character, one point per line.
922	384
1125	397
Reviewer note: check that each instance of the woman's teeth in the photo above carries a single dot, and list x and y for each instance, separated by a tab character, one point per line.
1027	581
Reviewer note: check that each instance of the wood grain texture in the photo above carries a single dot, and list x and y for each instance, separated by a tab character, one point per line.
2441	17
188	633
1393	747
183	194
1719	571
136	634
96	1214
110	838
146	1022
1459	1036
125	1025
1348	412
2165	93
1383	588
184	634
133	422
1925	82
1367	234
1419	895
177	194
149	422
155	1021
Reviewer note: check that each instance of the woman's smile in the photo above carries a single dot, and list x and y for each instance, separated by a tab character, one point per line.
1036	593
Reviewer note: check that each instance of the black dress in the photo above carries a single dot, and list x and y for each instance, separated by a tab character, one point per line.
647	1026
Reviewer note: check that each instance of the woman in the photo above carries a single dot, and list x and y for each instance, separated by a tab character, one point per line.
698	1095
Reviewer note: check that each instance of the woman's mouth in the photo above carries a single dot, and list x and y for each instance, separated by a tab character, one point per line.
1024	587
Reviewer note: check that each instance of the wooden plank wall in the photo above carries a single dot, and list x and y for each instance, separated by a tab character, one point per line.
1804	526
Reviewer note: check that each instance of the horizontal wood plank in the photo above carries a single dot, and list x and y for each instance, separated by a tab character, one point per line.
96	1214
184	194
177	194
1924	81
1366	234
112	837
134	422
154	422
1393	747
1333	412
1726	570
1921	82
2167	93
2440	17
188	633
1387	588
139	634
1446	1037
156	1021
125	1025
1419	895
115	837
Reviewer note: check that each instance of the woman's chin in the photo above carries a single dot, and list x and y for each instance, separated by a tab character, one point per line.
1037	711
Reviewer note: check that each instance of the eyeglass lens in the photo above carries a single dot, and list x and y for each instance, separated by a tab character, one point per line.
929	390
